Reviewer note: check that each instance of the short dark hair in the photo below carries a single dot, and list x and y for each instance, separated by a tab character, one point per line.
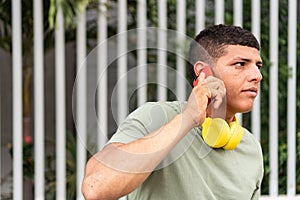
210	43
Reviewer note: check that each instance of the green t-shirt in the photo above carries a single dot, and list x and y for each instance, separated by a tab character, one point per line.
193	170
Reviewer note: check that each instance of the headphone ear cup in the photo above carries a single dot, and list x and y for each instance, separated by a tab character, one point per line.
215	132
236	135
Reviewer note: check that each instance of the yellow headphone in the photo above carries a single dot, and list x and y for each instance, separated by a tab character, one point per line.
218	134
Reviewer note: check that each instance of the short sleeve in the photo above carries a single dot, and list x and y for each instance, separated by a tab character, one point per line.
145	120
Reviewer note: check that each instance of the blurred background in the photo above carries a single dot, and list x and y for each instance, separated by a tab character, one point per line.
71	71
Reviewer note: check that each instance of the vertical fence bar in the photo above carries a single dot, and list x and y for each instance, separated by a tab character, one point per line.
39	129
122	60
273	182
142	51
0	139
219	11
255	25
180	60
200	15
255	16
161	51
81	102
17	100
238	12
238	21
102	74
60	106
291	118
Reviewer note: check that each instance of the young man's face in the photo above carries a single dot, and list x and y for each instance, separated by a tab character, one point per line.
240	71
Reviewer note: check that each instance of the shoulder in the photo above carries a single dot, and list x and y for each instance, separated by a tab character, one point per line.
251	145
166	109
175	106
250	138
253	152
145	119
153	115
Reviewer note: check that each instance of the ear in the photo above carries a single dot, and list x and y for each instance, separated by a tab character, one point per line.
198	66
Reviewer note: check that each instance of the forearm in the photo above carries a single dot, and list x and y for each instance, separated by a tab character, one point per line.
119	169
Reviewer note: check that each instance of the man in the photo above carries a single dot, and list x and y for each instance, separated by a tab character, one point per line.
161	151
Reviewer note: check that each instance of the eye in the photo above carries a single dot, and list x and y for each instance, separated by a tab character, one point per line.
259	66
240	64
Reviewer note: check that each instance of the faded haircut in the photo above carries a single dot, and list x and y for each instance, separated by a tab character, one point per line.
210	43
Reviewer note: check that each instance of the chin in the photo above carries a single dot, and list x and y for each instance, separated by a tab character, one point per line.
244	109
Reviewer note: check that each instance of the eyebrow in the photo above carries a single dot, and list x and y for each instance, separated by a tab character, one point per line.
247	60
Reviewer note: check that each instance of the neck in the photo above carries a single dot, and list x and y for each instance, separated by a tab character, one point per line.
220	113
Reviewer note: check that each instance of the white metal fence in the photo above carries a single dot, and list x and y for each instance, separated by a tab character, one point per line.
122	107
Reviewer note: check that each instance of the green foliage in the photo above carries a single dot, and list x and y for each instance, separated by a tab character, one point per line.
50	166
70	9
5	33
283	74
282	166
70	169
28	162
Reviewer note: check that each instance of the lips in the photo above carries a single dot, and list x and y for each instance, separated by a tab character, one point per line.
252	91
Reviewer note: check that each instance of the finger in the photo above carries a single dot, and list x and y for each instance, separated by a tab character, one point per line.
202	76
215	84
218	94
217	102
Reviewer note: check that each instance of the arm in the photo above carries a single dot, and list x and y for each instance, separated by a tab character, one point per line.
120	168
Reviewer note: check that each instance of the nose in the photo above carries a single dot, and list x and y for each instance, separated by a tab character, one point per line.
255	74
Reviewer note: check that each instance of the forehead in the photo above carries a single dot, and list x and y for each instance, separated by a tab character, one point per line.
238	51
